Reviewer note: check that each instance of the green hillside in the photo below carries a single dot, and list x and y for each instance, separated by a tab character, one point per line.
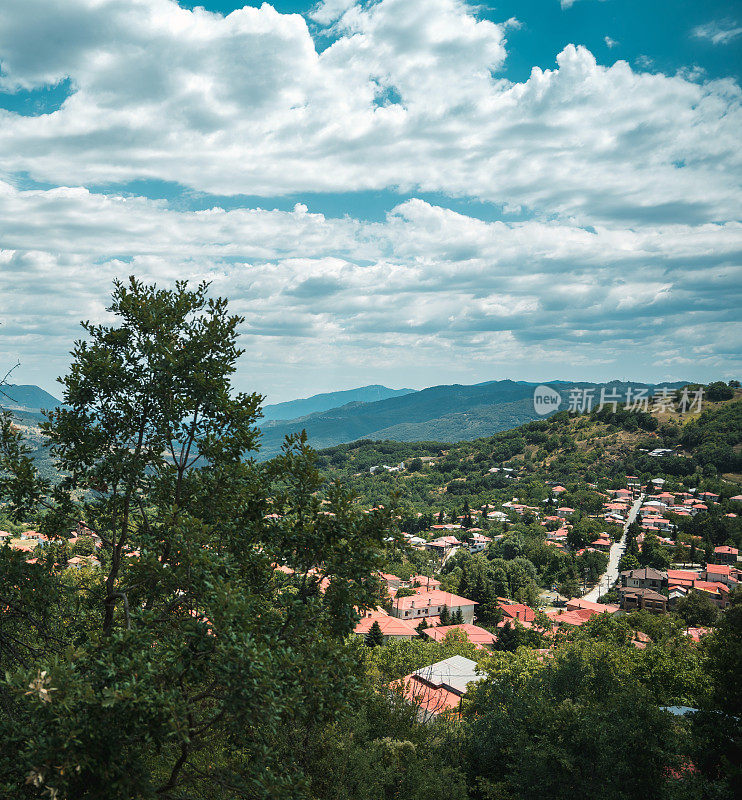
598	448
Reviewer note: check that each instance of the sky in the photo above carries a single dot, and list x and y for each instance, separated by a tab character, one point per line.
406	192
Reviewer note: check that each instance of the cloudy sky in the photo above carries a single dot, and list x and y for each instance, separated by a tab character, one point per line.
406	192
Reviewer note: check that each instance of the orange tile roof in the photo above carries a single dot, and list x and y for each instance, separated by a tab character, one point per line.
390	626
474	633
433	597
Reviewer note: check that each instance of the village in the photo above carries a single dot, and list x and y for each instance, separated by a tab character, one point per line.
420	606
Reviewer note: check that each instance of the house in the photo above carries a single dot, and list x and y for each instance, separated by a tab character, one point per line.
438	688
676	593
478	542
578	603
392	581
565	511
716	591
442	544
726	555
387	468
516	612
696	633
633	599
722	573
653	522
80	561
645	578
558	490
682	577
391	627
478	636
423	582
603	542
431	603
574	618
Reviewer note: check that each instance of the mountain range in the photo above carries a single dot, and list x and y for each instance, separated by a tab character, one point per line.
446	413
294	409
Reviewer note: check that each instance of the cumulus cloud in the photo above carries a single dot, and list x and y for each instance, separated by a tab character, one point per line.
407	95
718	31
611	43
425	289
628	181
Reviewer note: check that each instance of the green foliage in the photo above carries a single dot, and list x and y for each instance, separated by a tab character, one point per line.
579	726
697	608
185	667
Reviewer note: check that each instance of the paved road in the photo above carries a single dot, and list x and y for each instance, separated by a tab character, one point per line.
617	550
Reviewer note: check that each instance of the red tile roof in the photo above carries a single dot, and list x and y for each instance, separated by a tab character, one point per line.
434	597
518	611
390	626
474	633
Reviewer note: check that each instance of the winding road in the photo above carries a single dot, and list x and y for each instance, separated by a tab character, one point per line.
617	550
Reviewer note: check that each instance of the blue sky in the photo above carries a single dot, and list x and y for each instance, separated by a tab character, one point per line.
406	192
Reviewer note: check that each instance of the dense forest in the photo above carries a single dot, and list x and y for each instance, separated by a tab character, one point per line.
211	655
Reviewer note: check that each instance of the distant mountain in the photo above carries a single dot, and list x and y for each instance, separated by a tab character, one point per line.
293	409
441	413
18	397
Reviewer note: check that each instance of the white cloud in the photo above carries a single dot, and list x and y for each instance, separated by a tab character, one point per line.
406	96
328	11
632	180
426	292
718	31
610	43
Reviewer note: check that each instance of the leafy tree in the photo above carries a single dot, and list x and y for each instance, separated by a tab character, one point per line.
185	667
549	730
717	729
507	638
718	390
697	608
653	554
